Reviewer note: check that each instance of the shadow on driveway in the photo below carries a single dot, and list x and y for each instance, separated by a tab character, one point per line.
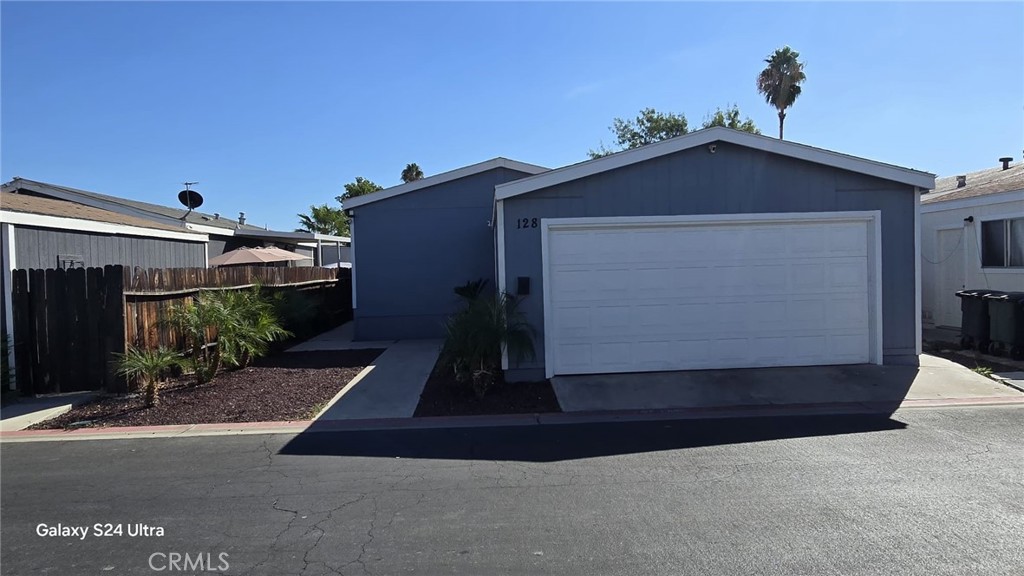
552	443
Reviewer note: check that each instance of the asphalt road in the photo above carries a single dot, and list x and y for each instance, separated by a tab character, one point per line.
929	492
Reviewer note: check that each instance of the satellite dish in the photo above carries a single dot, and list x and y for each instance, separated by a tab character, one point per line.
190	198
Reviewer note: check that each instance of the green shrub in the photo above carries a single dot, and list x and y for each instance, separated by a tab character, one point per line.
230	327
148	368
297	312
478	335
252	325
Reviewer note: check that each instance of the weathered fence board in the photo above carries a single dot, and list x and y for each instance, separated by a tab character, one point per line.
70	325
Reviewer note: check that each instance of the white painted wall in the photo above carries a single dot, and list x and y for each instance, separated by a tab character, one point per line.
937	217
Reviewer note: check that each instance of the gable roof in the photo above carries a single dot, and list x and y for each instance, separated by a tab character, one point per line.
49	213
442	178
126	206
980	183
707	136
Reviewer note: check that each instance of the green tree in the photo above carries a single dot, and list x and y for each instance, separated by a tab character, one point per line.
651	126
324	220
648	127
412	173
780	81
360	187
730	118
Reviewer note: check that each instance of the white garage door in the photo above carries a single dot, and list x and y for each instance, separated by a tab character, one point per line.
625	297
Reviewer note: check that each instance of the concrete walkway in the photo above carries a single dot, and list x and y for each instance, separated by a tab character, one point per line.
935	379
390	388
29	411
339	338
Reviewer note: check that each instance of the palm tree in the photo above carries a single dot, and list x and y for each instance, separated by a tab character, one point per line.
324	220
411	173
780	81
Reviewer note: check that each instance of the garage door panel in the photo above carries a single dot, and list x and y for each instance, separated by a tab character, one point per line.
686	297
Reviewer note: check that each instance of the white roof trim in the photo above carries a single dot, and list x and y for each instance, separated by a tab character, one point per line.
442	178
717	134
300	236
62	223
972	202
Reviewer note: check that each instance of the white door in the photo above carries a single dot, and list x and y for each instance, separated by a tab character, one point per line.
950	267
678	296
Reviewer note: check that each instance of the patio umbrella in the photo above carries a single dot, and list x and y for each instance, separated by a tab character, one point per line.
255	256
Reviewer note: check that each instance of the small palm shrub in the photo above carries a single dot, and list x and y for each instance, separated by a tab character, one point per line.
147	368
200	322
253	324
478	335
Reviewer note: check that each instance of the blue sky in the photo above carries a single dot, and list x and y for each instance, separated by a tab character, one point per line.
273	106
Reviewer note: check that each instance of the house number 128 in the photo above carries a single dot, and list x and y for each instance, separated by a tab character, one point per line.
526	223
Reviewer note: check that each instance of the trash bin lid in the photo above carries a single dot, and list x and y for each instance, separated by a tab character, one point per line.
1011	296
979	293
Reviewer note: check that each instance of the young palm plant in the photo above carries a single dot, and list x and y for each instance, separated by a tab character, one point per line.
478	335
252	327
201	322
148	368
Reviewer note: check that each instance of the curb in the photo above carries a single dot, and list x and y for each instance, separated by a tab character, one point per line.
503	420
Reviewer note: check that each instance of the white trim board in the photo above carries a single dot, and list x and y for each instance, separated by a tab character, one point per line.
61	223
872	217
707	136
917	272
441	179
972	202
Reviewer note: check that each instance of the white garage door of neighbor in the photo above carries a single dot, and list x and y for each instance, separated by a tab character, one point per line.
678	296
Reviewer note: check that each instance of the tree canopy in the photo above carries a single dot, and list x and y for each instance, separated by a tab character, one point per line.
780	81
359	187
324	220
412	173
651	126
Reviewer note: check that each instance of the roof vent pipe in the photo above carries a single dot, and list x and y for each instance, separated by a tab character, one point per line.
216	215
241	218
1006	162
961	181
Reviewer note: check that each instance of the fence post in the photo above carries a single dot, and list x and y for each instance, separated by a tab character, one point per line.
114	324
22	337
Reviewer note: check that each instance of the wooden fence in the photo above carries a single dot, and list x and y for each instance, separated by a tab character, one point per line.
70	324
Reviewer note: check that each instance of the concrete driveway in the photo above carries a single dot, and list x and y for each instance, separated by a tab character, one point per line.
883	387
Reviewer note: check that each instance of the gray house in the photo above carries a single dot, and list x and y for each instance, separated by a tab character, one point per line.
716	249
225	234
417	242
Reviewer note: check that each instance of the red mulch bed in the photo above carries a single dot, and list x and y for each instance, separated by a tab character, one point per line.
286	386
444	396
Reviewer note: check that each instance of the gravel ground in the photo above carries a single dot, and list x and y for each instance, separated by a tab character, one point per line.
444	396
287	386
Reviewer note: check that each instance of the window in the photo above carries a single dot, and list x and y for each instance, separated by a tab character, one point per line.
1002	243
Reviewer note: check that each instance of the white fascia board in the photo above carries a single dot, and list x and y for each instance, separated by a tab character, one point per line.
918	334
707	136
61	223
973	202
441	179
214	230
298	237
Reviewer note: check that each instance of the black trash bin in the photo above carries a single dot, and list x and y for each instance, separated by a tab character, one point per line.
974	324
1006	323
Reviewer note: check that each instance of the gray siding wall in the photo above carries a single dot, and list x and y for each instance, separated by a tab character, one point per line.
413	249
735	180
39	248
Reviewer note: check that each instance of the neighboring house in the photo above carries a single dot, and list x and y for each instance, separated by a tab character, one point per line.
45	233
972	236
420	240
225	234
716	249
